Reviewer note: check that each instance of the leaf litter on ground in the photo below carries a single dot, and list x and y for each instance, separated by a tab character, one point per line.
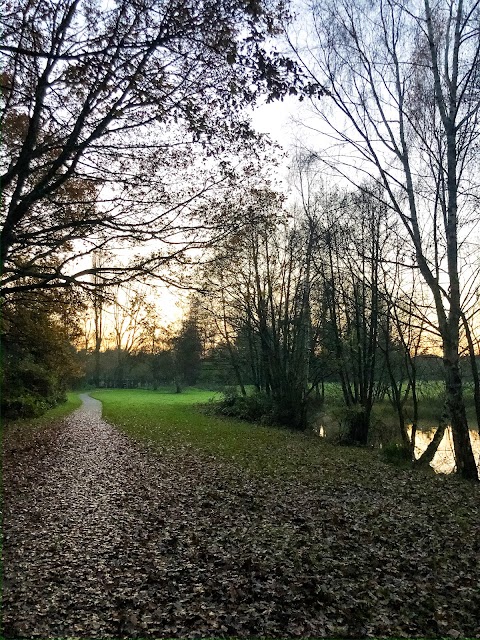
107	538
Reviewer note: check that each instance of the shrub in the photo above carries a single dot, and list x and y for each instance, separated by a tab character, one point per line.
38	361
22	407
34	377
354	426
397	454
230	396
257	407
262	408
29	390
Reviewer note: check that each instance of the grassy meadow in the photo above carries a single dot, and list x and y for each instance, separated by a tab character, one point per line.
175	419
167	419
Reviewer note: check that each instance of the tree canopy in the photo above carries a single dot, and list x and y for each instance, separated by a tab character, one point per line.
122	123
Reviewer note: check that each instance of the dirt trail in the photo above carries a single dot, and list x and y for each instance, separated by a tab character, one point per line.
71	517
103	538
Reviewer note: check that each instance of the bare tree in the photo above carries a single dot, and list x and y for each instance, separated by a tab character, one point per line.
131	312
403	81
404	328
98	302
262	283
349	231
221	306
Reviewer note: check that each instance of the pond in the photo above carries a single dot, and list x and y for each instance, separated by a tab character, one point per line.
444	460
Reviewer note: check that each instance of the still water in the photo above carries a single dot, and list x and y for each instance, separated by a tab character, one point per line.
444	460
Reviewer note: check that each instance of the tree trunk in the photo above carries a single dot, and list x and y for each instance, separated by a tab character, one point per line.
97	364
474	367
464	458
236	368
357	423
231	352
448	100
413	382
406	441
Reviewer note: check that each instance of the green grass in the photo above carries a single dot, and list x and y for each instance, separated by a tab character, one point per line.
170	419
173	419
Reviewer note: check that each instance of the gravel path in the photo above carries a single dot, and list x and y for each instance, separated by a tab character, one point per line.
84	531
105	538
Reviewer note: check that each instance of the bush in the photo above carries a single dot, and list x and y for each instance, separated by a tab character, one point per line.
262	408
354	426
38	361
257	407
34	377
22	407
291	413
29	390
230	396
397	454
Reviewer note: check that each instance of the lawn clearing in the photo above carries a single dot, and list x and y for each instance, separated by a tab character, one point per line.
377	548
163	418
174	419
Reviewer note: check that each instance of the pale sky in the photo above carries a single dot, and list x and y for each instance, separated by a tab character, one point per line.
275	120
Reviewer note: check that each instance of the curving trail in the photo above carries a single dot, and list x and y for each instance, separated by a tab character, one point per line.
83	524
105	538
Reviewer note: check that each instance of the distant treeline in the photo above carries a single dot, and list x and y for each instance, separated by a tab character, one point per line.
212	370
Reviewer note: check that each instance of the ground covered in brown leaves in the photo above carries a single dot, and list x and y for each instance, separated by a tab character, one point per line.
106	538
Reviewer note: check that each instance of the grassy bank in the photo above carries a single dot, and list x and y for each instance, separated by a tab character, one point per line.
384	420
173	419
261	532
